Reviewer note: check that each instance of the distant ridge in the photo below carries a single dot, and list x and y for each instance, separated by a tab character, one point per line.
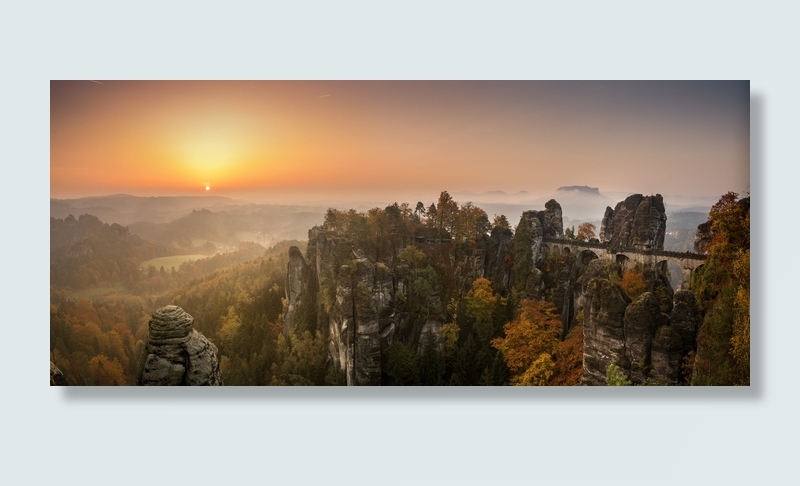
589	191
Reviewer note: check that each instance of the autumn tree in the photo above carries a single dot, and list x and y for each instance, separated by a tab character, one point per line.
634	283
481	307
106	371
500	221
722	291
586	231
529	343
446	213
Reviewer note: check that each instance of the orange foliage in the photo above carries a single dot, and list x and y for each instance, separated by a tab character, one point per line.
633	283
533	334
568	358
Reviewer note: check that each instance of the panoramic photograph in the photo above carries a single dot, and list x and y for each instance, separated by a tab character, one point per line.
399	233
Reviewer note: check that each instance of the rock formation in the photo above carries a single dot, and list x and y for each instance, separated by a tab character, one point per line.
640	325
56	376
603	330
498	268
637	222
647	344
702	238
177	354
362	320
299	291
666	356
543	224
684	318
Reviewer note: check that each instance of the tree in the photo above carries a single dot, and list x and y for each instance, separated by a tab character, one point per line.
446	212
500	222
634	283
419	211
481	307
529	343
569	233
401	367
722	291
106	371
615	376
586	231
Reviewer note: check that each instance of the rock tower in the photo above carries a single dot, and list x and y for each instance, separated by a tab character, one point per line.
177	354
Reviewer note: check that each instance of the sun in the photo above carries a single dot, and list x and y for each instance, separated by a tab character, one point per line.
208	188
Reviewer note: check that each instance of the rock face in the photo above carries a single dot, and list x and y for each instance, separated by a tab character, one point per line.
702	238
603	330
177	354
647	344
640	325
637	222
56	376
299	294
362	320
684	318
667	356
543	224
498	260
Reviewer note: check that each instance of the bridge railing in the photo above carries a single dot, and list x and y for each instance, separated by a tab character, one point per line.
566	241
604	246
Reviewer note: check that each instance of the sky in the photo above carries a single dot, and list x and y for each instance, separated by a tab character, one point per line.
269	141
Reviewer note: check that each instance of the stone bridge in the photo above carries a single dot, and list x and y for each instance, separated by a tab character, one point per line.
688	262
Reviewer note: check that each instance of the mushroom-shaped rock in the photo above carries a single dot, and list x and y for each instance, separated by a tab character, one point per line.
176	353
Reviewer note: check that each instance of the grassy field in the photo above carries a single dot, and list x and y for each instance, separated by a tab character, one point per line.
171	261
99	291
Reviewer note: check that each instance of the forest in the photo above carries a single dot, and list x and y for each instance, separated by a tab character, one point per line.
464	300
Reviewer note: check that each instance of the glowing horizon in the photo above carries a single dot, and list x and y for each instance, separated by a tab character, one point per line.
359	138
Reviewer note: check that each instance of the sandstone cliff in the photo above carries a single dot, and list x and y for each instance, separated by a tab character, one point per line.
543	224
300	289
56	376
637	222
177	354
647	344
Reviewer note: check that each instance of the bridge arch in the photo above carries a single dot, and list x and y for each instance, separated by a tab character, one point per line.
623	261
587	256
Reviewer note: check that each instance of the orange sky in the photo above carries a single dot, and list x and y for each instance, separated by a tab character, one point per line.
372	138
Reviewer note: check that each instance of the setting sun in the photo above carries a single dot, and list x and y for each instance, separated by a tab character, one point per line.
208	188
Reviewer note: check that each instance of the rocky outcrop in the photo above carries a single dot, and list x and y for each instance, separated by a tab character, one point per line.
543	224
637	222
640	326
299	291
684	318
498	259
647	344
702	238
666	356
550	219
362	321
603	330
56	376
177	354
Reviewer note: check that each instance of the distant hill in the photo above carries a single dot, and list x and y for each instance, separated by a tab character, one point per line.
223	230
125	209
198	223
84	251
589	191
